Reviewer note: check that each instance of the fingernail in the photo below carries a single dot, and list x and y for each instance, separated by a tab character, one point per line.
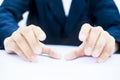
37	50
95	53
42	37
88	51
82	37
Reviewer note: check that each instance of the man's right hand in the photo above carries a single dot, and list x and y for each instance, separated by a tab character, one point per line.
25	42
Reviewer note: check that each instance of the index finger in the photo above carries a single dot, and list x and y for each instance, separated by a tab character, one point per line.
75	53
49	51
84	32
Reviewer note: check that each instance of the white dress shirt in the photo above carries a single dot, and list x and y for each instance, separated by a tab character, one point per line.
66	6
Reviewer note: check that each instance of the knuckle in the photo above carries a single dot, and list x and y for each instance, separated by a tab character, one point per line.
25	31
32	26
112	38
99	27
96	30
85	26
35	28
105	34
16	37
6	40
14	34
7	43
38	28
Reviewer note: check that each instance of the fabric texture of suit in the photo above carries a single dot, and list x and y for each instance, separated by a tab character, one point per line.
50	16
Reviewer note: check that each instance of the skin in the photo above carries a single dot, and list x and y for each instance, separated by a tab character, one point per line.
96	43
26	42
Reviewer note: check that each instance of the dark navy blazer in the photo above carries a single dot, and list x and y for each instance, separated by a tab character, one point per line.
50	16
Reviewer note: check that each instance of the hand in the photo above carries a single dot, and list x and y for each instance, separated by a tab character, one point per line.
96	43
26	43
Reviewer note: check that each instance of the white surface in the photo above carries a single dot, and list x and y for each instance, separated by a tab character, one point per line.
13	67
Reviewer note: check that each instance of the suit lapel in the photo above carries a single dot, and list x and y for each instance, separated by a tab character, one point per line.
57	9
76	11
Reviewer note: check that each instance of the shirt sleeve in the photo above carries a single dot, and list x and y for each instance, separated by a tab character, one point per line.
10	14
105	13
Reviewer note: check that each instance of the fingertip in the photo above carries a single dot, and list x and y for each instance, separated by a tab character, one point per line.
101	60
95	53
82	37
84	31
51	52
56	55
70	56
42	36
34	59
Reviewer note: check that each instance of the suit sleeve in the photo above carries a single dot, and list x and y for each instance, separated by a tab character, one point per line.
105	13
10	14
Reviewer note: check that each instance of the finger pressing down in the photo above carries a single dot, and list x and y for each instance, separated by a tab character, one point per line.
108	49
100	44
49	51
75	53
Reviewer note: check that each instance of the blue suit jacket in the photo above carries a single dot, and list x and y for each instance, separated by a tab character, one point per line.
49	15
